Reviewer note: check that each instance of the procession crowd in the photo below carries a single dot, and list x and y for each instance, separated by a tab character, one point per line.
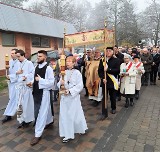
119	72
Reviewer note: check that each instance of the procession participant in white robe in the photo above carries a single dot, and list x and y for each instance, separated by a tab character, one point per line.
42	86
128	79
24	91
71	117
140	72
12	77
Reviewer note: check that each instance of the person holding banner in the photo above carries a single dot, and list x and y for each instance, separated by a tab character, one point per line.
128	74
12	77
112	69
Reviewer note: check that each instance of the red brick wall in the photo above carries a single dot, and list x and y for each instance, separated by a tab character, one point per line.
2	72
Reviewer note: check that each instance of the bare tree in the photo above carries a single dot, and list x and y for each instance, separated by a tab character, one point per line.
17	3
98	15
115	6
149	20
128	29
37	7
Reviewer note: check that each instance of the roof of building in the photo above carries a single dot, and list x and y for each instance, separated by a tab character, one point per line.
24	21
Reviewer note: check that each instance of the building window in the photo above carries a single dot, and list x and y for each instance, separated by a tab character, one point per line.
60	43
38	41
8	39
44	42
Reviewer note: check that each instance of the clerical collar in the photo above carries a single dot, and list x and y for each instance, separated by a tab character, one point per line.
42	64
71	69
23	61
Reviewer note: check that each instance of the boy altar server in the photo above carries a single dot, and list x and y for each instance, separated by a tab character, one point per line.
71	118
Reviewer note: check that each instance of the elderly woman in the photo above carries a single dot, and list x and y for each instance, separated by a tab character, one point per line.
128	79
140	72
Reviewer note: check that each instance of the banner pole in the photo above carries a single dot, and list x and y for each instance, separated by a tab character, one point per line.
105	75
114	40
63	64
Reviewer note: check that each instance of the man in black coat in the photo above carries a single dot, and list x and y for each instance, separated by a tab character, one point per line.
88	58
119	56
147	61
112	68
154	67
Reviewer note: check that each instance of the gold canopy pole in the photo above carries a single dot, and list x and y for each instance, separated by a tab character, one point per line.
105	75
63	65
84	52
114	38
7	64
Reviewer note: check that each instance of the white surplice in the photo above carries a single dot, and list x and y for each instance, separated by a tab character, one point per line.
45	115
24	93
71	118
12	104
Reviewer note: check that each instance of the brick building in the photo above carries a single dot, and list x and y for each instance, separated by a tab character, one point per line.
29	31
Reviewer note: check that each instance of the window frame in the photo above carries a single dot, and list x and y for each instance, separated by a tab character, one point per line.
40	41
14	39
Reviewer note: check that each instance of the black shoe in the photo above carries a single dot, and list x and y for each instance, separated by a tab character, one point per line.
7	118
137	95
126	104
154	83
102	117
113	111
119	98
95	103
50	124
158	78
151	83
131	104
21	125
26	124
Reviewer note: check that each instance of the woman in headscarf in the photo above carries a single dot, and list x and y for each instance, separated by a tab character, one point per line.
128	79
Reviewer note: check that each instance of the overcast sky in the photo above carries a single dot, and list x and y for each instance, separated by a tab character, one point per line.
140	4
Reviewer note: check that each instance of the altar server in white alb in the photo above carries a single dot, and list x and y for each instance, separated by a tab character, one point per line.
43	105
12	80
71	118
24	91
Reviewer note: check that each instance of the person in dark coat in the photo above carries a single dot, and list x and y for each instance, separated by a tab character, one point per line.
112	69
147	61
119	56
84	59
154	67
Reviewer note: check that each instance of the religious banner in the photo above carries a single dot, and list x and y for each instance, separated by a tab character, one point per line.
90	37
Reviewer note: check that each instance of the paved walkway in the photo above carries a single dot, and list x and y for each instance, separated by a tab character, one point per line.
141	132
134	129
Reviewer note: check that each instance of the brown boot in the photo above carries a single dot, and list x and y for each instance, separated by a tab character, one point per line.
35	141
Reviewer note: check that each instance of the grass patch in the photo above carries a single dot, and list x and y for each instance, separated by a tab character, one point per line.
3	83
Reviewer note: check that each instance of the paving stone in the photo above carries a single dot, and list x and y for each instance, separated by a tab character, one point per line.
148	148
131	136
